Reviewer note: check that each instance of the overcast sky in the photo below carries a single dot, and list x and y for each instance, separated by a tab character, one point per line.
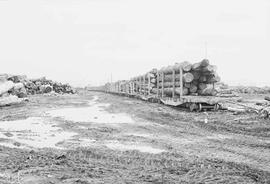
85	41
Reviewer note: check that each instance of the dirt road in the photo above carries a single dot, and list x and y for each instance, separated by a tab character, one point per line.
101	138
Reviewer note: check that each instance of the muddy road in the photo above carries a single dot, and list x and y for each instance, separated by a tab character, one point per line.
101	138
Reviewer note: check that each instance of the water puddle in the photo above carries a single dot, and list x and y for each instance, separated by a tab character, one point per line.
81	142
11	144
139	135
132	146
219	137
95	113
32	132
43	132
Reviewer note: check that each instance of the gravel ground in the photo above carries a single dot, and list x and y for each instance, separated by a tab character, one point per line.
124	140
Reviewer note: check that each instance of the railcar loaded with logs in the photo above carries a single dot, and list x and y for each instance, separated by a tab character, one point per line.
181	84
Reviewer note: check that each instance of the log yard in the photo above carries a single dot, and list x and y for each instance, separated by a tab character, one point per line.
134	92
178	124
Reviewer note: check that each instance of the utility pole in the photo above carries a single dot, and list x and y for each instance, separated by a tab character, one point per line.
205	50
111	77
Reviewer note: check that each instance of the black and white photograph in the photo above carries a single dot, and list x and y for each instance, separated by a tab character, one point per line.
134	92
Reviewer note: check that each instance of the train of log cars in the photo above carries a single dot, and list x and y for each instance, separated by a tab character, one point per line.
182	84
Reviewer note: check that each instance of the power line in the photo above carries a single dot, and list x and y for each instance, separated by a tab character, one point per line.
205	50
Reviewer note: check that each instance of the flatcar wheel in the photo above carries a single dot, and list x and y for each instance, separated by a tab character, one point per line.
200	108
192	107
216	108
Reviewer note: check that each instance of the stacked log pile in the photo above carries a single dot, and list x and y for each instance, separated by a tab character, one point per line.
15	88
10	92
197	79
43	85
250	89
144	84
225	89
261	107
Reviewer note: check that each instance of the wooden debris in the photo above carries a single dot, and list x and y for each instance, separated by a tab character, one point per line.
267	98
13	87
10	100
6	86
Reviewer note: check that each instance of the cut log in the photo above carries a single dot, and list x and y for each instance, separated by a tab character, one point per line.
153	81
19	90
167	70
193	88
209	91
213	79
202	86
236	110
265	112
17	78
3	78
187	85
204	62
267	98
22	93
169	91
200	65
154	71
170	84
196	66
6	86
151	75
10	100
145	85
195	82
190	86
203	78
196	75
186	66
18	86
45	88
187	77
169	78
209	68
